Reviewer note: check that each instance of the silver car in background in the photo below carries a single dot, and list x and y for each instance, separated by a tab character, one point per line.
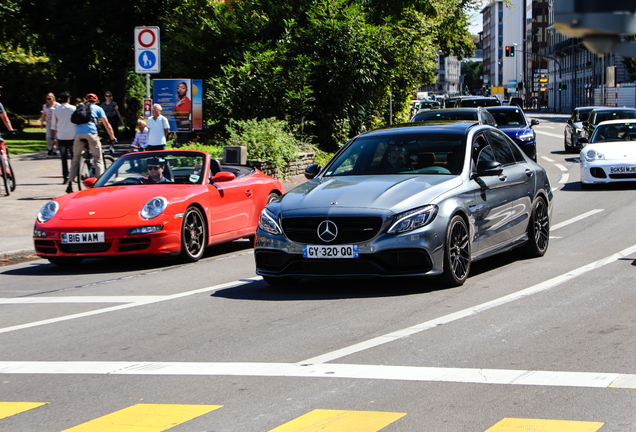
411	200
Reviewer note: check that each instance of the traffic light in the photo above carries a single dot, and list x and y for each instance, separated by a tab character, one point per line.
512	50
507	51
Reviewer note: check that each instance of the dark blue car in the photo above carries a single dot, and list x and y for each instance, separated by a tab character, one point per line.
513	122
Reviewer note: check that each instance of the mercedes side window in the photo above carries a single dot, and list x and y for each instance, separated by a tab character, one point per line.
501	148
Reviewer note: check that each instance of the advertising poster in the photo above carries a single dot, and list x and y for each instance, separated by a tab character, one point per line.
175	98
197	104
147	107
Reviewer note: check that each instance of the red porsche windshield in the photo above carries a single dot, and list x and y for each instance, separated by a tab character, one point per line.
155	168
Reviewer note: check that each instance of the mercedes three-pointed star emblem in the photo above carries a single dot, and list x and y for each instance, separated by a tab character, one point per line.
327	231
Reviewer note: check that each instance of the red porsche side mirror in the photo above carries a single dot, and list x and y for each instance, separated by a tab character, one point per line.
90	182
223	176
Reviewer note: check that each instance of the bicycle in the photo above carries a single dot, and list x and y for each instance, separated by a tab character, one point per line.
8	175
87	167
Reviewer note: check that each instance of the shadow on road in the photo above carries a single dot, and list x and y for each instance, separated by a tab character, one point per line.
122	264
334	289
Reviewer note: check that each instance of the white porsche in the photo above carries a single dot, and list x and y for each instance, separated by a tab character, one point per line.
610	154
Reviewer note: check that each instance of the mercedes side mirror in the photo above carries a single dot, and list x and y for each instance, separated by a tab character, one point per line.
312	171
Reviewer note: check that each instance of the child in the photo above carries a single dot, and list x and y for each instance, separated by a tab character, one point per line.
140	142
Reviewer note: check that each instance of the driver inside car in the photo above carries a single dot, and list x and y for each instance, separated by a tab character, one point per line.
155	172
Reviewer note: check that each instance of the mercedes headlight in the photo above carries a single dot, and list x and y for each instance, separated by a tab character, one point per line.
592	155
268	223
48	211
413	219
154	208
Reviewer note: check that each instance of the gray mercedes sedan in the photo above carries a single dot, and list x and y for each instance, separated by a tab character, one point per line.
409	200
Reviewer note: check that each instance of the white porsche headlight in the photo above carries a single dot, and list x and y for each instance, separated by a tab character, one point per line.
268	223
154	208
48	211
592	155
413	219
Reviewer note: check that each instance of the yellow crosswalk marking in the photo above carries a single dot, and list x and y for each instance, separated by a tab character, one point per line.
539	425
145	417
340	421
11	408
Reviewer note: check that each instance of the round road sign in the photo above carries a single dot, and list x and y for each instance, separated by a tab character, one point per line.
146	38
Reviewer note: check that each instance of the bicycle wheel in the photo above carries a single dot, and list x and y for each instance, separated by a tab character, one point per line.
11	175
5	176
85	169
108	161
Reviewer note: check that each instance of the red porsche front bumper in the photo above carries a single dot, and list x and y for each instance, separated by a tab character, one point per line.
117	241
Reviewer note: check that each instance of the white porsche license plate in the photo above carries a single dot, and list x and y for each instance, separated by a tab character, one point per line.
623	170
87	237
336	251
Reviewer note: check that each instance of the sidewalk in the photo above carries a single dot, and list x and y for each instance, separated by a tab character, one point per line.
39	180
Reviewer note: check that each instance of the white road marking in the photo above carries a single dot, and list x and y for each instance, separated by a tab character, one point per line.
471	311
349	371
85	299
564	178
150	300
549	134
575	219
547	159
561	167
545	127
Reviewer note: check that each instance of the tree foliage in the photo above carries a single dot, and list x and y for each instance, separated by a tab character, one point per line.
326	67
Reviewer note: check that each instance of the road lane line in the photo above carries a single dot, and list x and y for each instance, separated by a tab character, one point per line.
564	178
81	299
7	409
130	305
549	134
402	333
340	420
561	167
547	159
145	418
322	370
575	219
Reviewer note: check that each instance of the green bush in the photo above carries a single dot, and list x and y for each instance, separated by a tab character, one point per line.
215	151
266	140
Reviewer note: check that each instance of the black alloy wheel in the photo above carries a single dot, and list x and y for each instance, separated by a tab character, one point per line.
538	230
457	253
193	235
272	197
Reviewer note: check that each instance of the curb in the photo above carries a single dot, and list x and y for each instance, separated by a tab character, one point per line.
17	256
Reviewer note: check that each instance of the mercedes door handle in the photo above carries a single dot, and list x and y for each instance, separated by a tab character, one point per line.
248	193
529	173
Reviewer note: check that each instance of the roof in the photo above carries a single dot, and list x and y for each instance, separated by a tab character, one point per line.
450	128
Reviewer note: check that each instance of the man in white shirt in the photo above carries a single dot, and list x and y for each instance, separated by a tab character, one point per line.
158	129
63	131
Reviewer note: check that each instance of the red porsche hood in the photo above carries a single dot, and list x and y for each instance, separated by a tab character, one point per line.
117	201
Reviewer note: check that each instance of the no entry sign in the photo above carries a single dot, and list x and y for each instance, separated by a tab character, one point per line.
147	51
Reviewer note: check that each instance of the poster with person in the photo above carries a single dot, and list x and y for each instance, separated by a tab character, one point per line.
175	98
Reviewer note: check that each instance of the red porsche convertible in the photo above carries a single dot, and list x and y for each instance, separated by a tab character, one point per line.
161	203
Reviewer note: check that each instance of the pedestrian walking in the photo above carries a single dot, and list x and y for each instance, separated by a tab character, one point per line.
158	129
63	132
45	121
88	133
113	115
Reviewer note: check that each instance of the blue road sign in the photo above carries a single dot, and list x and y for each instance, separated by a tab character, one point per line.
147	59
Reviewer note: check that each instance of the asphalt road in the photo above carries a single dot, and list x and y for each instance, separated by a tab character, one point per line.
525	345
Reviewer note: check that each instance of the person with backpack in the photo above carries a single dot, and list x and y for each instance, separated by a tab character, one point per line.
85	118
